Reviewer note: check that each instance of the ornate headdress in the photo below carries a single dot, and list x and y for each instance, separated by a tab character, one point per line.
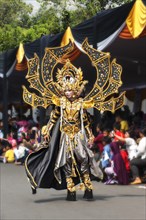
71	78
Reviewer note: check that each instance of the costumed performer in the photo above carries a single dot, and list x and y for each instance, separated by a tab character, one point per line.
64	159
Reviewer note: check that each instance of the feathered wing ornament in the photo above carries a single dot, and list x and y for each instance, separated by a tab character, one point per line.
42	81
107	83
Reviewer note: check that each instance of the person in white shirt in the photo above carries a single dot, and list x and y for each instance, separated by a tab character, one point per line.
21	152
130	143
139	162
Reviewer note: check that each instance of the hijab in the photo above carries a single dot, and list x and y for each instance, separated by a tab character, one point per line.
119	165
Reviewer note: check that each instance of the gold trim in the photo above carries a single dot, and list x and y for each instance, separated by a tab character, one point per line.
67	37
26	167
107	73
55	116
70	184
107	82
30	175
50	51
53	121
48	89
87	182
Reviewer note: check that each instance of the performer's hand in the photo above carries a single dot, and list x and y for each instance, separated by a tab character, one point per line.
46	138
91	140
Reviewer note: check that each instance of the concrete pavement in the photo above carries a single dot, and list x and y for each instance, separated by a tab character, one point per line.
111	202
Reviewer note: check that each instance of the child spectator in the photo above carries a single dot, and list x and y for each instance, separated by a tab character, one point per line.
9	154
13	143
106	154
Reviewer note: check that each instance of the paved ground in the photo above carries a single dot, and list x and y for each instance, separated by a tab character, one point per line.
111	202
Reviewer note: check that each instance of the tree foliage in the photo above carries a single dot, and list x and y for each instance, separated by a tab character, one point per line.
18	24
13	12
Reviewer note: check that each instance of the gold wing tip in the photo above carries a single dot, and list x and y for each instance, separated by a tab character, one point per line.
24	89
85	42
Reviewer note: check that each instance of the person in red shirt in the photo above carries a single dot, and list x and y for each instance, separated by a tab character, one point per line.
116	128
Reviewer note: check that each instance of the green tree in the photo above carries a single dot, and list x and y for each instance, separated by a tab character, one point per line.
17	24
13	11
81	9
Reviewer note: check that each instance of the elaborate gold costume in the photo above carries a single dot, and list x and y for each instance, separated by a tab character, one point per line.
65	92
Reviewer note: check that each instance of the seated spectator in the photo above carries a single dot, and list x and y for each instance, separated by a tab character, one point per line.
30	142
116	173
21	152
96	153
9	155
106	154
33	135
30	146
22	130
10	136
97	143
3	145
13	142
106	132
130	143
138	164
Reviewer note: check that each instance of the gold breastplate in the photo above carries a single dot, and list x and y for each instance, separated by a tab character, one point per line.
71	116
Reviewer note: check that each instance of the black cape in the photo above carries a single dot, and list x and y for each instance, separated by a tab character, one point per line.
40	165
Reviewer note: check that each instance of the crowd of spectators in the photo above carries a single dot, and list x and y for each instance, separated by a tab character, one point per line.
119	145
23	138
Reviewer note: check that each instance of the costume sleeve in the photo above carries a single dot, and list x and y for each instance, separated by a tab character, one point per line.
88	104
87	124
54	115
56	100
46	130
